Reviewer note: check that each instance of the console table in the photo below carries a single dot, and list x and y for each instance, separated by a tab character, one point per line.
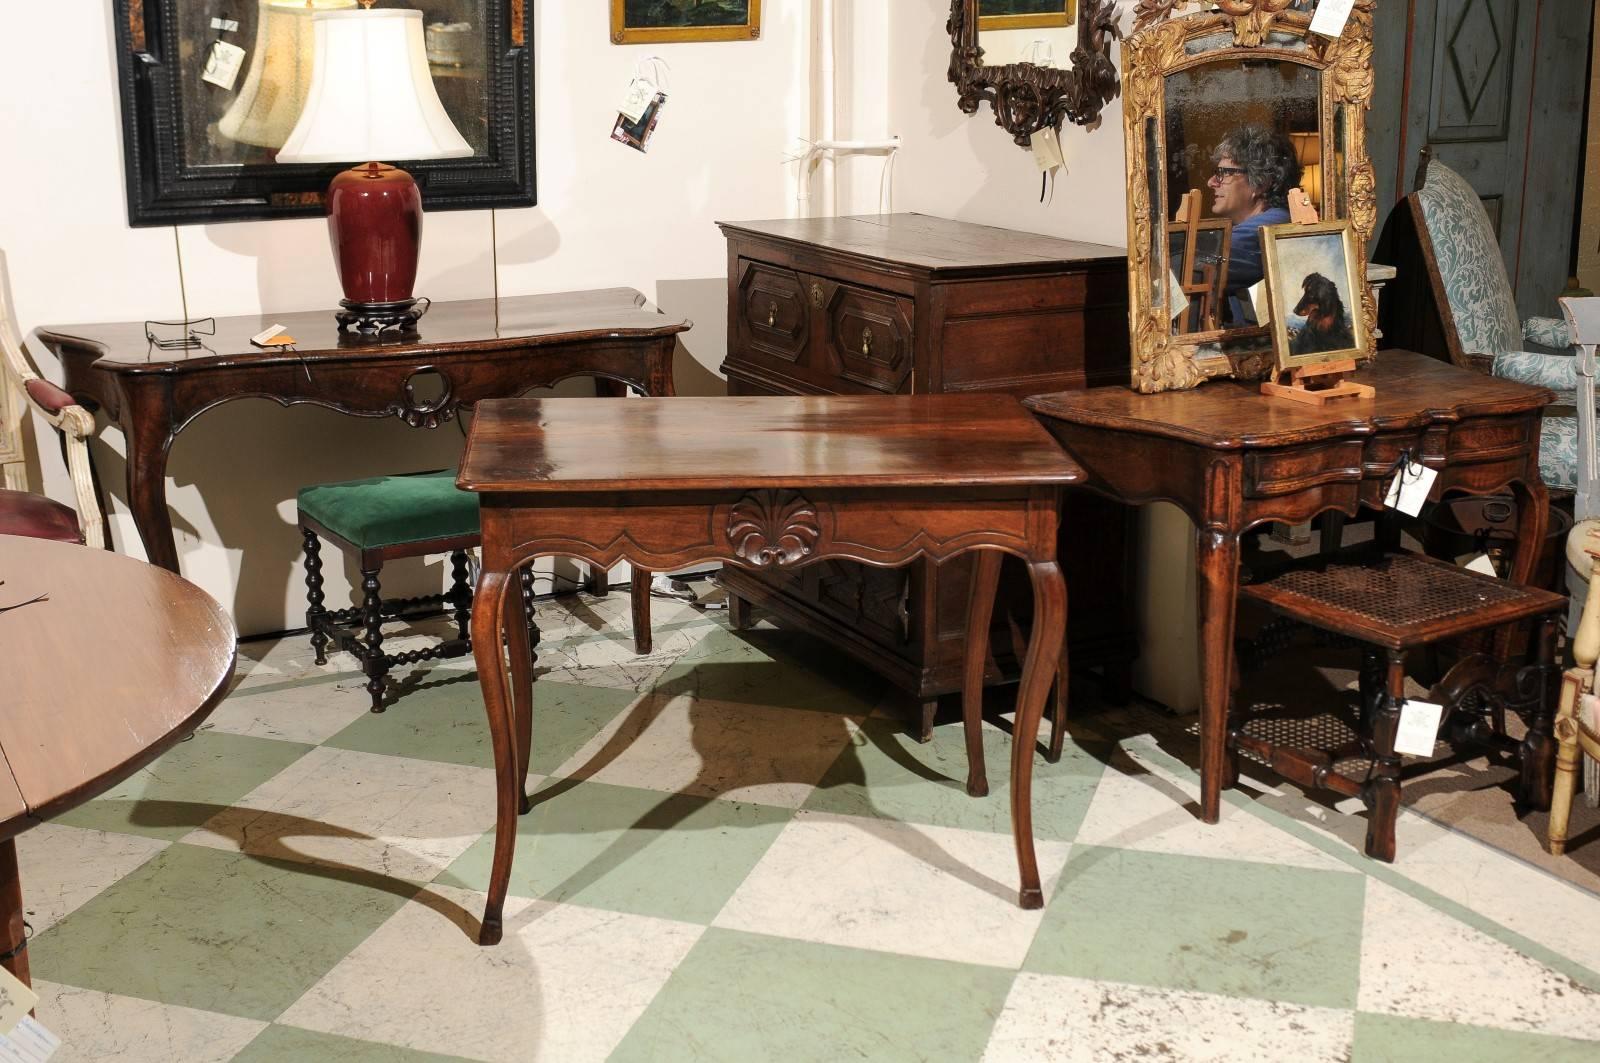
119	661
880	480
461	353
1232	458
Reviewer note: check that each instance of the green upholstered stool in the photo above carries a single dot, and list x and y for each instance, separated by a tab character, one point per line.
382	519
389	517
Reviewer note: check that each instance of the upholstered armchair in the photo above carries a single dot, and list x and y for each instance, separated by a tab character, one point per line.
1479	312
22	389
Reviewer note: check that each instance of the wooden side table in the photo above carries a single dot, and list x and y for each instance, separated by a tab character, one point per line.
162	653
1232	458
764	484
461	352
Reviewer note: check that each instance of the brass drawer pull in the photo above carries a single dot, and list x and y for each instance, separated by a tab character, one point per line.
772	313
866	342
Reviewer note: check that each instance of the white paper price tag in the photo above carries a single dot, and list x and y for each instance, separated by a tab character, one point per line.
226	25
636	99
1331	16
1410	488
29	1042
1481	564
223	65
1047	150
1260	303
1175	297
16	1000
1419	728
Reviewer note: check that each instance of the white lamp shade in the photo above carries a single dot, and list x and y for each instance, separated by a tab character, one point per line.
274	91
372	97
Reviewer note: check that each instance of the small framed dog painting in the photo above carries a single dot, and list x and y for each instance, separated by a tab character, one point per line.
1314	279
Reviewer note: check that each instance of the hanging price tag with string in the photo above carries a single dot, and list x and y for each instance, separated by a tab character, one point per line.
641	104
1410	486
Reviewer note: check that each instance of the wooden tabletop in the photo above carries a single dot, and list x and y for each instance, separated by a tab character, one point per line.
467	325
120	662
1412	390
760	441
929	244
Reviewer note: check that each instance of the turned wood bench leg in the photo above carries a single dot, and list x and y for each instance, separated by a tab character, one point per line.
315	611
1538	752
374	665
1382	791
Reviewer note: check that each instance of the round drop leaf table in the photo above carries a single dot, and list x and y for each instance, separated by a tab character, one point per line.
106	662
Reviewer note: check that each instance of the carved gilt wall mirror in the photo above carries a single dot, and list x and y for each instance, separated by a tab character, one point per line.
1225	112
211	88
1037	62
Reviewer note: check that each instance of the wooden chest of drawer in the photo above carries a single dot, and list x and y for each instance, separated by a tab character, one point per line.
907	303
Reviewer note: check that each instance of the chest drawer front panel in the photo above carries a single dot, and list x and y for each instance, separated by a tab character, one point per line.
1268	473
869	336
773	316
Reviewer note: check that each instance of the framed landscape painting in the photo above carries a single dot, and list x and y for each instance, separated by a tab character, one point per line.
666	21
1025	14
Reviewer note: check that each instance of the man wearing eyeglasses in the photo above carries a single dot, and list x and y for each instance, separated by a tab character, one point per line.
1255	168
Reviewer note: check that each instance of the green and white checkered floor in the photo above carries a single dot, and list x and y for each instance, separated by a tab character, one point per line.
737	854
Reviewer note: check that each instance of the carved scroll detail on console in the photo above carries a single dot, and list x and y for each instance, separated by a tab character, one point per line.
773	527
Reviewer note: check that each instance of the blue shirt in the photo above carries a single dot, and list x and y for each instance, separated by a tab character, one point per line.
1244	259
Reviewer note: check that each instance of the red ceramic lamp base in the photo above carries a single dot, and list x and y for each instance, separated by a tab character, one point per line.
375	225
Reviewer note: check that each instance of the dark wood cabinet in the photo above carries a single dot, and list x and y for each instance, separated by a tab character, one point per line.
911	304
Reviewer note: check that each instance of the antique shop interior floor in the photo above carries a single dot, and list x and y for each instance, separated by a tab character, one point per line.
738	854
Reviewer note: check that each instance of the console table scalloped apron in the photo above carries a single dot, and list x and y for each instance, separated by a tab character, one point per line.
1232	458
164	652
768	483
464	351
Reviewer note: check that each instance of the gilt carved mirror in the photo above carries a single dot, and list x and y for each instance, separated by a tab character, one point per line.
211	88
1225	112
1036	62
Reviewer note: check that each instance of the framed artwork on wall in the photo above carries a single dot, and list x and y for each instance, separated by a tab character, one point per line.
1025	14
211	90
670	21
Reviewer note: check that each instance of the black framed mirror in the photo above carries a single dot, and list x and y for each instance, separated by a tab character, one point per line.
210	89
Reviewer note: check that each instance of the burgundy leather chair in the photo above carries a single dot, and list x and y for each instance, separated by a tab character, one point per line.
22	390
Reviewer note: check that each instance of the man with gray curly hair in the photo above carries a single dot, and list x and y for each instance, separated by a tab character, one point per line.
1255	168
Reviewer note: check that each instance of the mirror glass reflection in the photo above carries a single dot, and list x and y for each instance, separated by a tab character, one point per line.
244	67
1239	135
1040	32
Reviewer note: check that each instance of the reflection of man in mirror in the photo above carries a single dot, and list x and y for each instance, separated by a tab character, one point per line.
1255	168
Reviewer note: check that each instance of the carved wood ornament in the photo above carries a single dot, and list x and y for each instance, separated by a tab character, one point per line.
773	528
1027	98
1164	42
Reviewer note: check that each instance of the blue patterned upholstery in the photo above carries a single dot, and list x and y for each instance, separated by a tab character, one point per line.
1547	332
1478	291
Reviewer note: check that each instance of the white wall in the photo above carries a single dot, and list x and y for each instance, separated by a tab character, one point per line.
969	169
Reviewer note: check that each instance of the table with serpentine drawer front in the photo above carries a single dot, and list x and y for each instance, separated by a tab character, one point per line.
1232	458
162	653
762	483
461	353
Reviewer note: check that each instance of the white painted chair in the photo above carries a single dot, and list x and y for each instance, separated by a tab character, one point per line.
1575	730
21	388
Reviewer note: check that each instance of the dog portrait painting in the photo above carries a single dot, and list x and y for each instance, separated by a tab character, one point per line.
1314	277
